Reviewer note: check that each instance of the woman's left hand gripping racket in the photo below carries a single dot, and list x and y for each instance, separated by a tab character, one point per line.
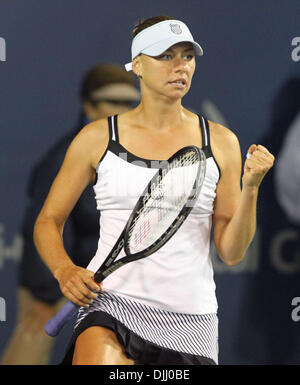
161	209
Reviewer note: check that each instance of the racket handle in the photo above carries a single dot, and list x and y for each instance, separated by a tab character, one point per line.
98	277
56	323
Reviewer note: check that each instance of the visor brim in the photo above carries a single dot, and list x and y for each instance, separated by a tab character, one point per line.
161	46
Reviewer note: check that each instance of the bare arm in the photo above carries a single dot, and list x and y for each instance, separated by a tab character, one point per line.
77	171
235	209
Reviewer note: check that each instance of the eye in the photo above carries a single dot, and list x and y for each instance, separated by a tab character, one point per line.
189	56
165	57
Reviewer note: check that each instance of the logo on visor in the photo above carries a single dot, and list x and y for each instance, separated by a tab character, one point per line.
175	28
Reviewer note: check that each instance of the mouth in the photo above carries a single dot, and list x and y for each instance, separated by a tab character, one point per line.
179	83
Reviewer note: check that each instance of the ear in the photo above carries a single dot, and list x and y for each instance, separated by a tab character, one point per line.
136	66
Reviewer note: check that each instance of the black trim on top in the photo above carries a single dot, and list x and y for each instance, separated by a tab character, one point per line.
116	147
205	134
203	131
110	130
126	155
208	144
207	130
116	130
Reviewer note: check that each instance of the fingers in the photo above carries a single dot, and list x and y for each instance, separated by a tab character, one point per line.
259	156
251	149
89	281
76	297
260	149
79	286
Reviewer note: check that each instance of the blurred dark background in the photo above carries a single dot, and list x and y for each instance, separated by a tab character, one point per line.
244	80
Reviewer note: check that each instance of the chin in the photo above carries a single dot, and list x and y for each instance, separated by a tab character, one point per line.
178	94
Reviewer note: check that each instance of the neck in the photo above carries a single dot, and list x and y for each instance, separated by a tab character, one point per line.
160	113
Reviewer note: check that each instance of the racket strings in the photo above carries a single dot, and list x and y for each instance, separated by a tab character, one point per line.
164	200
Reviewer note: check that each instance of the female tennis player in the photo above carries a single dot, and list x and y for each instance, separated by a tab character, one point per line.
161	309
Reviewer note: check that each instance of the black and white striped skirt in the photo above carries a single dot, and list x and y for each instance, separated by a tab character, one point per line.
150	335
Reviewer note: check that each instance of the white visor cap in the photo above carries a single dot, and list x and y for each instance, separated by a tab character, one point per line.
156	39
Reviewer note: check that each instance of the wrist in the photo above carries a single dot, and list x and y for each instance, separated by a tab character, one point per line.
251	190
60	269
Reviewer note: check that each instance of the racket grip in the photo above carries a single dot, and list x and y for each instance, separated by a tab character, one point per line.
99	277
56	323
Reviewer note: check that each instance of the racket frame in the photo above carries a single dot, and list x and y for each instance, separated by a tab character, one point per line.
109	266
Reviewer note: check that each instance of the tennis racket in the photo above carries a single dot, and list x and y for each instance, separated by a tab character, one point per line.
159	212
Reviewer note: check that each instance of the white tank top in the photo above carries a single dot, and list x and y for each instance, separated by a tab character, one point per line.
179	276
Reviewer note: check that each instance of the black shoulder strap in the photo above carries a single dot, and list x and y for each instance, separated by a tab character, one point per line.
114	128
204	131
204	126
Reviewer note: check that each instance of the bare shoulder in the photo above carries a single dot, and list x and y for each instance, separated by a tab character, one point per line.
222	135
92	140
95	131
224	144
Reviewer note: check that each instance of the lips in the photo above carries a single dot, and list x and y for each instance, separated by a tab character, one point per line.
179	82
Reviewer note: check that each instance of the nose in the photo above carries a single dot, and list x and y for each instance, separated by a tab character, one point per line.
179	63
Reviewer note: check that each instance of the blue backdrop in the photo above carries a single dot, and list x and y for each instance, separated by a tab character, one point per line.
45	49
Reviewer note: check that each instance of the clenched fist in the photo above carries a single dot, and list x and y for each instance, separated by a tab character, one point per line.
258	163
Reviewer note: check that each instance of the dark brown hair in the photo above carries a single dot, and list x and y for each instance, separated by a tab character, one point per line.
145	23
